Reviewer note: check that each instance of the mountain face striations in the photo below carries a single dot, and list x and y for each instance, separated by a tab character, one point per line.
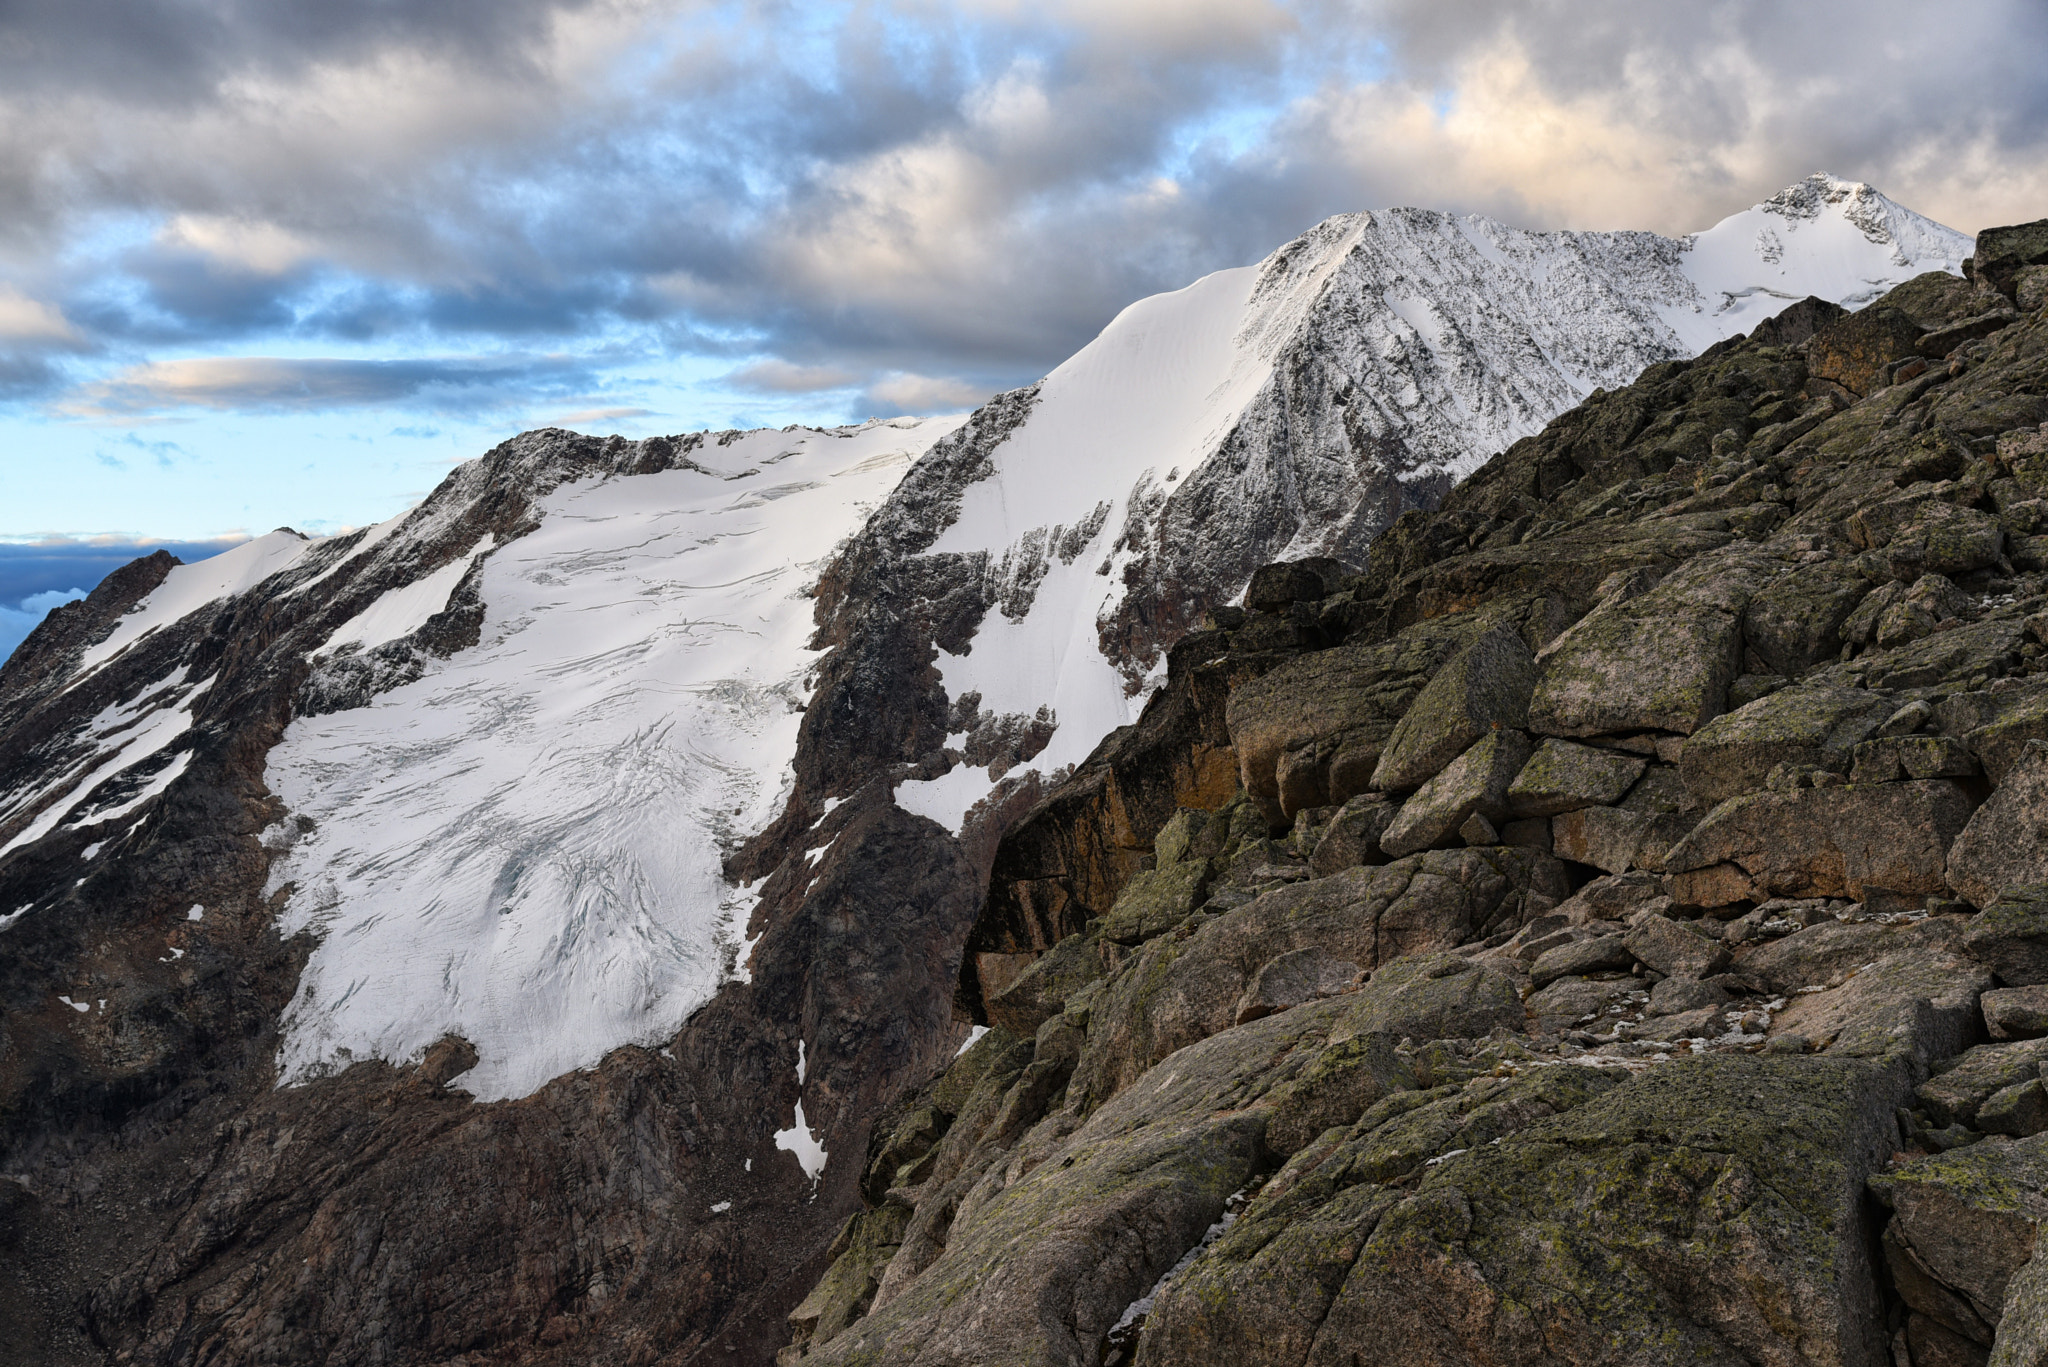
494	935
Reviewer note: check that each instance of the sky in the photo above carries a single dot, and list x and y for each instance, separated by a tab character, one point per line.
286	262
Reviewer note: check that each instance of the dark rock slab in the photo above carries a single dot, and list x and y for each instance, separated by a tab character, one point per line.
1477	781
2011	935
2017	1012
1815	725
1708	1211
1963	1223
1562	776
1485	687
1834	842
1661	661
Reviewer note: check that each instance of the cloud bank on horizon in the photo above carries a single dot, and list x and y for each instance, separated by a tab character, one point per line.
427	216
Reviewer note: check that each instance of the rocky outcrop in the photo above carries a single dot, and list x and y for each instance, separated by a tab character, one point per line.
1620	945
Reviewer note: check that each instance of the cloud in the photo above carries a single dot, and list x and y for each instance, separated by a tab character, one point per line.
906	393
591	415
286	384
26	320
30	571
899	189
781	377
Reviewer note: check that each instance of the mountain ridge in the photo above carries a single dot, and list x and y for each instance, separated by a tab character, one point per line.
342	881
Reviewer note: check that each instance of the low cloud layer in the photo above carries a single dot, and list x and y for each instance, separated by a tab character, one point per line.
442	207
282	384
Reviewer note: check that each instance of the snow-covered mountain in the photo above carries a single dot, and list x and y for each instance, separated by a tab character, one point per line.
615	743
524	745
1297	406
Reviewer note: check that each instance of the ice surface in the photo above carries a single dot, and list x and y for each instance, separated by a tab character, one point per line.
524	846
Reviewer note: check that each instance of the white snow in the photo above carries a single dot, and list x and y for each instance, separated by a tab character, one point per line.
524	847
76	1006
799	1063
720	1207
188	588
799	1140
1162	385
91	850
402	611
372	538
973	1038
11	917
195	914
1459	335
175	955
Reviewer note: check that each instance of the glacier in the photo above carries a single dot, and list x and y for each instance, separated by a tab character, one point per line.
524	846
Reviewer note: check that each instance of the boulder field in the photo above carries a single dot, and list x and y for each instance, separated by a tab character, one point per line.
1612	929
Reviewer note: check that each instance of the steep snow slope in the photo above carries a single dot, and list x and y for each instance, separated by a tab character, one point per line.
1298	406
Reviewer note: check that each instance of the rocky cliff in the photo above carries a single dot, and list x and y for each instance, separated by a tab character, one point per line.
1612	929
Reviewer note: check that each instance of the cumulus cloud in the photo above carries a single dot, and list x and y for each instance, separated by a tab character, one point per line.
781	377
912	200
905	393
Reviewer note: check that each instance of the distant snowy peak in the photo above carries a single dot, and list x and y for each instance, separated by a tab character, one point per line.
1883	221
1298	406
1836	238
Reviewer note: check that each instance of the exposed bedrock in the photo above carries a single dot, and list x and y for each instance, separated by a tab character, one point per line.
1621	939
